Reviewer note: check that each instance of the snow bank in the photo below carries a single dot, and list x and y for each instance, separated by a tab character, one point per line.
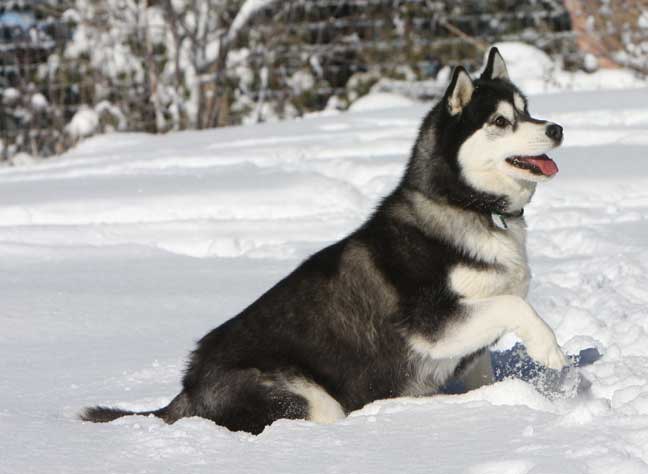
84	123
535	73
529	67
118	256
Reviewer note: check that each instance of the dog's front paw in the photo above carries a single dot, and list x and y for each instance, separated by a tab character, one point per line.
546	351
551	357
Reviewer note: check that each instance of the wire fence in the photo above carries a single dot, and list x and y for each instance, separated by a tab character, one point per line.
68	71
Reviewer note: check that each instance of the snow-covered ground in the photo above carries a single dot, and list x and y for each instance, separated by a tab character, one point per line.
115	258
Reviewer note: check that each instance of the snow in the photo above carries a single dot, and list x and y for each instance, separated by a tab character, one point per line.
10	95
380	100
84	123
535	72
39	102
642	21
118	256
245	13
529	67
22	159
524	61
301	81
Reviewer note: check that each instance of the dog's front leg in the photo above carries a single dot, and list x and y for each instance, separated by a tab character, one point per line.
482	321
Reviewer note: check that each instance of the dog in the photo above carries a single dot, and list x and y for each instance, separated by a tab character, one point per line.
412	298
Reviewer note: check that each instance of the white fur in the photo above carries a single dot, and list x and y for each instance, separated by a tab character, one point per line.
518	101
470	234
483	157
428	373
486	320
480	283
322	408
442	368
476	282
507	110
499	68
506	249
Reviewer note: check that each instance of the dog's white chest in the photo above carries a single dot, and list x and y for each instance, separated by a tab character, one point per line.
506	272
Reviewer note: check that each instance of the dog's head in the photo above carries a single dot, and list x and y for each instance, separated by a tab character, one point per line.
488	139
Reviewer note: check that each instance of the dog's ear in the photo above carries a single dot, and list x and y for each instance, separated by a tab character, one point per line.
495	66
459	91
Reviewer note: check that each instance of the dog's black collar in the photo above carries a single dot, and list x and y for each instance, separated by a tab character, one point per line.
499	218
511	215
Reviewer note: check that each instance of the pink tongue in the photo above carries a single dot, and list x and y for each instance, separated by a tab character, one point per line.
546	164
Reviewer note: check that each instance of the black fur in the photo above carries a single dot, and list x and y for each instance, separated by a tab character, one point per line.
341	319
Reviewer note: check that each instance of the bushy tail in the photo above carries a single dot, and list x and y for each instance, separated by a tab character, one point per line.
178	408
106	414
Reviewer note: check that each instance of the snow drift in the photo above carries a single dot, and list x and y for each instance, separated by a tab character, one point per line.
119	255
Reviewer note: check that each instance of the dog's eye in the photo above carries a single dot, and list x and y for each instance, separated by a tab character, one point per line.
501	122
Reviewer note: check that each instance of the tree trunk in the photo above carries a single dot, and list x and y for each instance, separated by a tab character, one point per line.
586	40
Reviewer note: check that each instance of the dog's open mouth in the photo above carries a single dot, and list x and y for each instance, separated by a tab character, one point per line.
539	165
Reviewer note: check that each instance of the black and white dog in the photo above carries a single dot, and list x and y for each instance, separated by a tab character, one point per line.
412	298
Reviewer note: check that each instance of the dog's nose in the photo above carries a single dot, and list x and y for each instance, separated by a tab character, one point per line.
555	132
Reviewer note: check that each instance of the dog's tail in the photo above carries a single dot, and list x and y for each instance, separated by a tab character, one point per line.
105	414
178	408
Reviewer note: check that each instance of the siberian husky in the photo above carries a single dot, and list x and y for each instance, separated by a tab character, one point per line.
412	298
